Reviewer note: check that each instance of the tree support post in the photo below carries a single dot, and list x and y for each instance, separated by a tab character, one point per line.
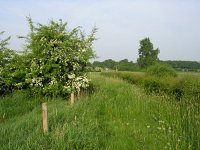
45	118
72	98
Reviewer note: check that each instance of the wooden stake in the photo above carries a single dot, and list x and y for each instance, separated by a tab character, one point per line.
78	92
45	118
72	98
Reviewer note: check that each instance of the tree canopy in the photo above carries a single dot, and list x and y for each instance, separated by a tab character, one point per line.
147	55
54	62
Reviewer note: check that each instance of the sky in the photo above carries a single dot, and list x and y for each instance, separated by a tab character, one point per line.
173	26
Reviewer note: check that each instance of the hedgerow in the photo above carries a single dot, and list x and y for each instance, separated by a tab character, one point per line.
179	87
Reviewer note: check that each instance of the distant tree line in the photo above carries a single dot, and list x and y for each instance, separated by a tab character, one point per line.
126	65
122	65
183	65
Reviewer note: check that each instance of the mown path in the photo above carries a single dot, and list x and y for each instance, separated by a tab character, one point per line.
132	119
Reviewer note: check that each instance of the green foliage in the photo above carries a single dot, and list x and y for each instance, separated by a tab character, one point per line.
133	78
5	53
13	75
147	55
187	87
54	62
122	65
125	65
191	87
3	87
109	63
17	104
74	127
183	65
161	70
6	58
186	111
60	58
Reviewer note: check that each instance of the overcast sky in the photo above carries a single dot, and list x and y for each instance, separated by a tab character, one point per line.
172	25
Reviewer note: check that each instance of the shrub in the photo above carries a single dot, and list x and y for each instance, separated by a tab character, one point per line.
3	87
60	58
161	70
55	62
152	86
191	87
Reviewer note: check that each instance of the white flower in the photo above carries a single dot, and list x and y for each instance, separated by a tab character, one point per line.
71	76
37	81
33	80
160	121
53	81
159	128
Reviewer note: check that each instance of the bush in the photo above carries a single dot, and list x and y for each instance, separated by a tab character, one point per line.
60	58
161	70
152	86
55	63
159	86
3	87
191	87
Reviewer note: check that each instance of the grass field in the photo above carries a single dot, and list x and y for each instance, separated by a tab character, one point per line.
118	115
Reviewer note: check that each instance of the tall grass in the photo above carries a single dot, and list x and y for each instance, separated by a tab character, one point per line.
184	91
17	104
179	87
118	115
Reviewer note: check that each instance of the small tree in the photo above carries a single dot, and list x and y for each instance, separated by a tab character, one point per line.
147	55
59	58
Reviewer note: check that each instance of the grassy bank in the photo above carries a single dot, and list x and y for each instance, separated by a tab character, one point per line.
185	86
118	115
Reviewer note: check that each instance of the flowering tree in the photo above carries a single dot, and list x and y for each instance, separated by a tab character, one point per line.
59	58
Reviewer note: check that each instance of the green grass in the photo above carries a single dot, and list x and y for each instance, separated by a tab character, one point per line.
17	104
118	115
194	74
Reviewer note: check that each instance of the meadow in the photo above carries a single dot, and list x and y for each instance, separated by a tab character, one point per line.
124	111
